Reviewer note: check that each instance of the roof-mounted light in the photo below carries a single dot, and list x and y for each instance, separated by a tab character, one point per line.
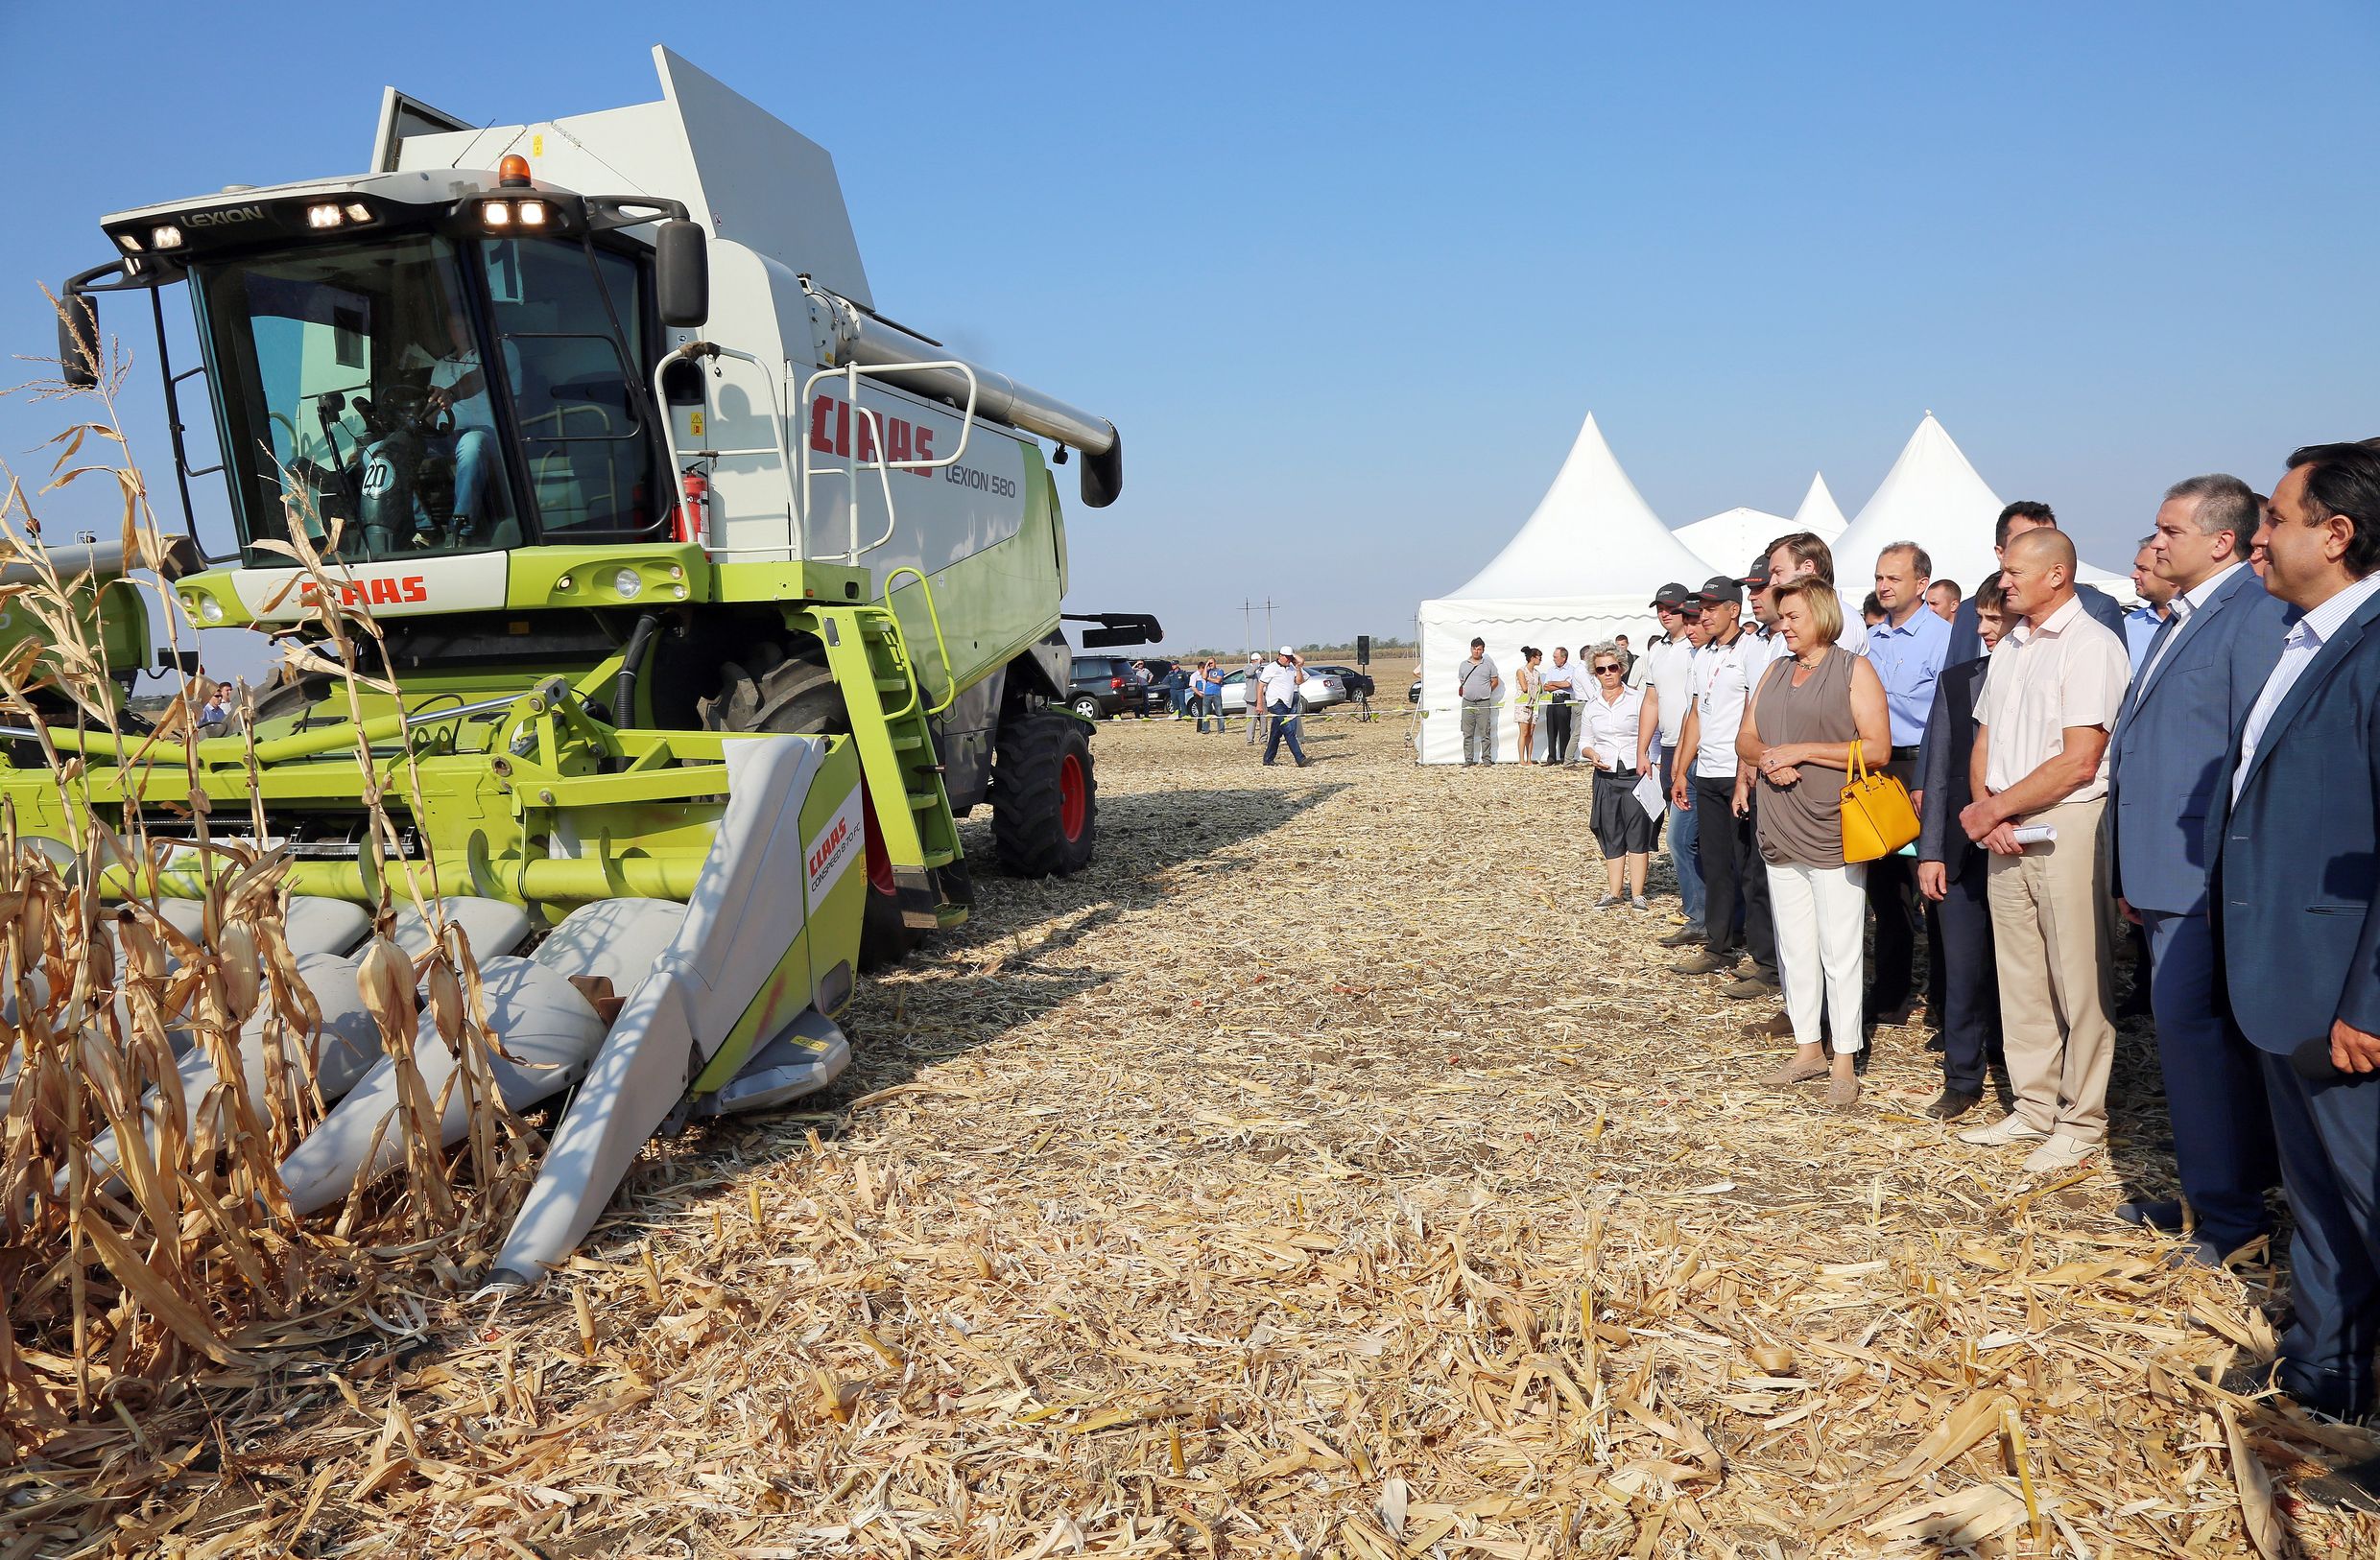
512	173
532	213
326	214
496	214
165	236
130	242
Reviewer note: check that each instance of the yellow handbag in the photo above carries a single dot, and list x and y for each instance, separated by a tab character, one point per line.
1877	817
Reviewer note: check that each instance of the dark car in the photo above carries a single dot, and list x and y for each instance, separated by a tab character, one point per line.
1106	685
1359	683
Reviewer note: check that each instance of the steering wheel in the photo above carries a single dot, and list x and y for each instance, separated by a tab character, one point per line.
409	404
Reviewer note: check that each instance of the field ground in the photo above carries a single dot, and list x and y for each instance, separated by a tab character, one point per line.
1318	1174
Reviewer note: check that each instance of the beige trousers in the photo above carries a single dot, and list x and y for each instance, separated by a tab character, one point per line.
2051	934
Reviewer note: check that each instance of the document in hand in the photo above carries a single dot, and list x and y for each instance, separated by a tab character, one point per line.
1650	797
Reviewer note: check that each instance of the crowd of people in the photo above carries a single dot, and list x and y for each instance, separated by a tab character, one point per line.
2200	773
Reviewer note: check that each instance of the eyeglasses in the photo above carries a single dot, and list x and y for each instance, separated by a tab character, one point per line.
1601	670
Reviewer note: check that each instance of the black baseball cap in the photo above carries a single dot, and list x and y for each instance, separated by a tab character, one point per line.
1756	577
1673	596
1719	588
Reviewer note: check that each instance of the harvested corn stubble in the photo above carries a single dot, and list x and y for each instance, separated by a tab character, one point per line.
1418	1245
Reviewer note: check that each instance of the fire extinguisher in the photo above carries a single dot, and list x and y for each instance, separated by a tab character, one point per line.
694	514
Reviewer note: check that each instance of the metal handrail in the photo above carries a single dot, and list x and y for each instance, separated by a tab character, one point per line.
950	677
795	500
850	373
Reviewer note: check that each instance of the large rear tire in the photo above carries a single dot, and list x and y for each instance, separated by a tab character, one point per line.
798	695
1044	797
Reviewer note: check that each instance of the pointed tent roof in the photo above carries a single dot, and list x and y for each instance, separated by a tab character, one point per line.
1933	497
1729	541
1818	511
1592	535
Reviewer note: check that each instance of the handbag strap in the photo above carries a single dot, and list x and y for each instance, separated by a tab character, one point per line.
1859	764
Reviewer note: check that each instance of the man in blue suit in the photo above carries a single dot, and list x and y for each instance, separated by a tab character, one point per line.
2295	878
2197	677
2023	516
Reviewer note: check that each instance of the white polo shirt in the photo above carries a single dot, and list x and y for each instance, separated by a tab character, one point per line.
1723	677
1280	684
2071	671
1668	667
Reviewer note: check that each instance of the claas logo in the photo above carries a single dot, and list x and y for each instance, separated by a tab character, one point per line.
833	430
826	847
384	590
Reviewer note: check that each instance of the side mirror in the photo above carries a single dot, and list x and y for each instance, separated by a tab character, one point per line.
681	274
78	340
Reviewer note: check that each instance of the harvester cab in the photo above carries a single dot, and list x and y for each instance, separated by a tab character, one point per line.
710	595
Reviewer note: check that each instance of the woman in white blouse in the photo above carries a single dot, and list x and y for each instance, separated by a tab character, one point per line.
1611	732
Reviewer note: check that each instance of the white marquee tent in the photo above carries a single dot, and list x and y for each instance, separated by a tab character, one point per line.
1581	568
1818	511
1934	498
1729	540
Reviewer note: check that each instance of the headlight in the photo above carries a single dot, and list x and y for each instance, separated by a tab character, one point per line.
210	609
629	583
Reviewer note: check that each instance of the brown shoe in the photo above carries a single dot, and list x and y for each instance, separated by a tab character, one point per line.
1795	1070
1842	1092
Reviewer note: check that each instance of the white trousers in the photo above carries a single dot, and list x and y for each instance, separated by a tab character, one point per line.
1821	926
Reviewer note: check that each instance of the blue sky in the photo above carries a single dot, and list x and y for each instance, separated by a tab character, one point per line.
1348	279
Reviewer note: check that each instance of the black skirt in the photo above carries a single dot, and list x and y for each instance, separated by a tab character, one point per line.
1621	826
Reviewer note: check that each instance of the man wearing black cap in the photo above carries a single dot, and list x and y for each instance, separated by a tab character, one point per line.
1669	685
1725	671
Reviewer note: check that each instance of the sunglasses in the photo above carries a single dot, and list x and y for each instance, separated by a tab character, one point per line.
1601	670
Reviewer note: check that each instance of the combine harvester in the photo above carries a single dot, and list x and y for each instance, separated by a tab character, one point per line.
714	596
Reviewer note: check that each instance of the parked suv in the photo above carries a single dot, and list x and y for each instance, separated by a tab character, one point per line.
1104	685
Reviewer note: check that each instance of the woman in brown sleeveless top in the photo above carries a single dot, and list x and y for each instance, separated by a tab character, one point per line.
1795	748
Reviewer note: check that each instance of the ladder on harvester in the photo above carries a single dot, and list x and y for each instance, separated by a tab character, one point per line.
870	661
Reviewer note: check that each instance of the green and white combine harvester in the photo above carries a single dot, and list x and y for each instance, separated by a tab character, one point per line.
715	598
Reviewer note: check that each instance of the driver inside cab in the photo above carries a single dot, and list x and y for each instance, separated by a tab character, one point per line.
458	399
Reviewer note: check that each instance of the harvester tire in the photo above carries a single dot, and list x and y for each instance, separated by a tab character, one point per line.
1044	797
798	695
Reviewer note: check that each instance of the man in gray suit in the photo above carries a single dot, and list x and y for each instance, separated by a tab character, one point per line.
2170	753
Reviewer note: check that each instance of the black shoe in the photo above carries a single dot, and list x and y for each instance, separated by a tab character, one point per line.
1685	936
1951	1104
2197	1251
1936	1042
1890	1018
2163	1214
2354	1486
1705	962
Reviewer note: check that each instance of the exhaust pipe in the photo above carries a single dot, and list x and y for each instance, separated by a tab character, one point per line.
873	342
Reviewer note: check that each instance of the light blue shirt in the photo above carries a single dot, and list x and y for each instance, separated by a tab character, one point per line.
2140	626
2306	640
1908	657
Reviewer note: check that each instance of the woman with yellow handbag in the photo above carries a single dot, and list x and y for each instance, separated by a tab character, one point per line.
1803	731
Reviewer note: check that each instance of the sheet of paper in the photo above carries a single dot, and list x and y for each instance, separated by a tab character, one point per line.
1649	796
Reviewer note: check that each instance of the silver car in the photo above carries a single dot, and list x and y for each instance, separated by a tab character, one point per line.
1334	691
